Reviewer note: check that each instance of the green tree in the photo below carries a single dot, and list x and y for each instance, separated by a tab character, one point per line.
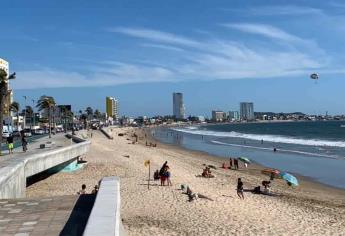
46	103
29	113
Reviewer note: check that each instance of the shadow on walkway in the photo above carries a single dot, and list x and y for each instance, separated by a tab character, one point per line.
80	214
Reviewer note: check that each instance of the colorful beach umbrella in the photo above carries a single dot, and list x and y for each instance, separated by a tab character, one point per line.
269	172
289	178
245	160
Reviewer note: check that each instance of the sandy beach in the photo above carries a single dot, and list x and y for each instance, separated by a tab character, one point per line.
309	209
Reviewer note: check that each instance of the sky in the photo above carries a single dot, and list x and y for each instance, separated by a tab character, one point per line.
217	53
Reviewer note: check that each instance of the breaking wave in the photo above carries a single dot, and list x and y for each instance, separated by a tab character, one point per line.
264	137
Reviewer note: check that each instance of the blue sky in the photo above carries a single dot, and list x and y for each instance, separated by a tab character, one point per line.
218	53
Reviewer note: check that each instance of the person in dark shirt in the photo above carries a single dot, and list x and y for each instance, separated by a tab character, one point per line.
236	163
10	144
240	189
24	143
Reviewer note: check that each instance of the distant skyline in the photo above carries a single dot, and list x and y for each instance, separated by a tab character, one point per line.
217	53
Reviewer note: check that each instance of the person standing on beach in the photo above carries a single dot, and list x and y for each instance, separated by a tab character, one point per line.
162	173
230	163
236	163
240	189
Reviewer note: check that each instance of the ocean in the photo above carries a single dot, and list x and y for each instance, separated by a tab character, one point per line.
311	149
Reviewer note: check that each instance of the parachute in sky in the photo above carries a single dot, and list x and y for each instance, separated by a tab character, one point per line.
314	76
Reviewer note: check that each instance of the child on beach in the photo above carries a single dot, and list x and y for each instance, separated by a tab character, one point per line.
240	189
83	190
168	175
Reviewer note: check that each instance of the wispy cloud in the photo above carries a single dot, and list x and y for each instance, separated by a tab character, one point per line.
115	74
162	46
263	30
155	35
208	59
283	10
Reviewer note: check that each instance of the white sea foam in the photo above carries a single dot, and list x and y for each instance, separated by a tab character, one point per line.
265	137
280	150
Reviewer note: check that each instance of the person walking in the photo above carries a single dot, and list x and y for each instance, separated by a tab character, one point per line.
240	189
24	143
9	141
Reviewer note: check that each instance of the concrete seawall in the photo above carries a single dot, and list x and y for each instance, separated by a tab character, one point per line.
105	217
14	171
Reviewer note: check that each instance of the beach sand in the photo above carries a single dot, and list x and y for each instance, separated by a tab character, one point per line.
310	209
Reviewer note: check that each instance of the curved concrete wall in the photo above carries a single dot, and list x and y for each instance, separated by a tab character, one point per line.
14	171
105	216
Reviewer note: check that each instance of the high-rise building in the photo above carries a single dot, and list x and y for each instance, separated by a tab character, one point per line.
4	65
247	111
234	115
112	107
219	116
178	106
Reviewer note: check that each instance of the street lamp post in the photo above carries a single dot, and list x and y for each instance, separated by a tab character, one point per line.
33	111
24	122
3	94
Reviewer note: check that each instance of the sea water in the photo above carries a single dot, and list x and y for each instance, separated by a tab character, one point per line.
311	149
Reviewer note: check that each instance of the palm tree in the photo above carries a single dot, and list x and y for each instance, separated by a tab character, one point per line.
29	113
97	114
89	111
46	103
15	108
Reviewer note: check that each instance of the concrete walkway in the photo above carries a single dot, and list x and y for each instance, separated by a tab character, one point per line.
62	215
59	140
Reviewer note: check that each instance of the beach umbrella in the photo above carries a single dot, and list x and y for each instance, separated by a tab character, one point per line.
245	160
269	172
289	178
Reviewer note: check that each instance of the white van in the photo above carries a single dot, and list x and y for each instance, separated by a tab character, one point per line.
6	131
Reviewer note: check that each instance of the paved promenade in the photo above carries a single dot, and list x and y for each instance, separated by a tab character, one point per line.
62	215
59	140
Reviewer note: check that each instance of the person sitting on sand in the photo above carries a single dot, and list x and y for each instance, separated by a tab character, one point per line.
95	189
204	173
207	173
224	166
240	188
83	190
156	175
